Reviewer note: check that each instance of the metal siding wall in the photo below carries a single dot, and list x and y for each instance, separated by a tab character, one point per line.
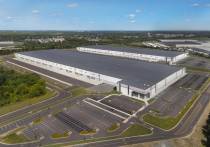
144	57
55	67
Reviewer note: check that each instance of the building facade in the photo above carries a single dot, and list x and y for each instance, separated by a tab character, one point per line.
125	86
144	56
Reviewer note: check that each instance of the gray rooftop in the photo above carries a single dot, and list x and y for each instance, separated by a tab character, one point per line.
181	43
132	72
146	51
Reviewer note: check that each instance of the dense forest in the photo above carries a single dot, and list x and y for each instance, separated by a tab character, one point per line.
15	87
206	133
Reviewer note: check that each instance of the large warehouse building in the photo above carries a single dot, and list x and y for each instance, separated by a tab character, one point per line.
134	78
151	55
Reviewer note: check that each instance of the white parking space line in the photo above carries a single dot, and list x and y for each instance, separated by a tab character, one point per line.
134	115
109	96
105	110
109	106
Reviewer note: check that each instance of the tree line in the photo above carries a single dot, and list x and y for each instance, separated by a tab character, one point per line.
206	133
16	87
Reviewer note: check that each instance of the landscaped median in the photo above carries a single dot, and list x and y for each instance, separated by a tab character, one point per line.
113	127
136	130
37	121
168	123
60	135
133	130
78	91
88	132
14	137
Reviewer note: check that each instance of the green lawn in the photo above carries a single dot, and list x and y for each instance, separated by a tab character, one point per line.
151	100
90	132
27	102
60	135
136	130
14	138
78	91
113	127
197	68
37	121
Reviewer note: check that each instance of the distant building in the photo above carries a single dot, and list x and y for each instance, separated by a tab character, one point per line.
6	43
47	40
193	46
151	55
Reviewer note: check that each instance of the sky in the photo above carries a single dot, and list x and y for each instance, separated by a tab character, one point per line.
104	14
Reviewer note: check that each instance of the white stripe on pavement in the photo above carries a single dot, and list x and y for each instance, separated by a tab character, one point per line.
104	110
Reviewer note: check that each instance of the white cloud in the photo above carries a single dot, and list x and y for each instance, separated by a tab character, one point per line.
35	11
10	17
132	21
138	11
131	16
72	5
195	4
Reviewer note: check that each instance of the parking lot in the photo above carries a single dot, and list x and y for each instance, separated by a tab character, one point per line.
75	119
46	129
196	62
173	99
93	117
193	81
123	103
95	113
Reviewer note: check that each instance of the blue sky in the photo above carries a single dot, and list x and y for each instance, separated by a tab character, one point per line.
104	14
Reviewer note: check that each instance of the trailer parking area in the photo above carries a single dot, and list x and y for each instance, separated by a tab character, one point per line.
123	103
173	99
93	117
197	62
45	129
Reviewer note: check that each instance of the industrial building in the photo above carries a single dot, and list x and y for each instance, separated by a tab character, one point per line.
134	78
151	55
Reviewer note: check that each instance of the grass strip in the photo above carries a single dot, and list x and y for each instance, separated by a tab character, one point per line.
88	132
37	121
136	130
60	135
78	91
13	107
113	127
14	137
